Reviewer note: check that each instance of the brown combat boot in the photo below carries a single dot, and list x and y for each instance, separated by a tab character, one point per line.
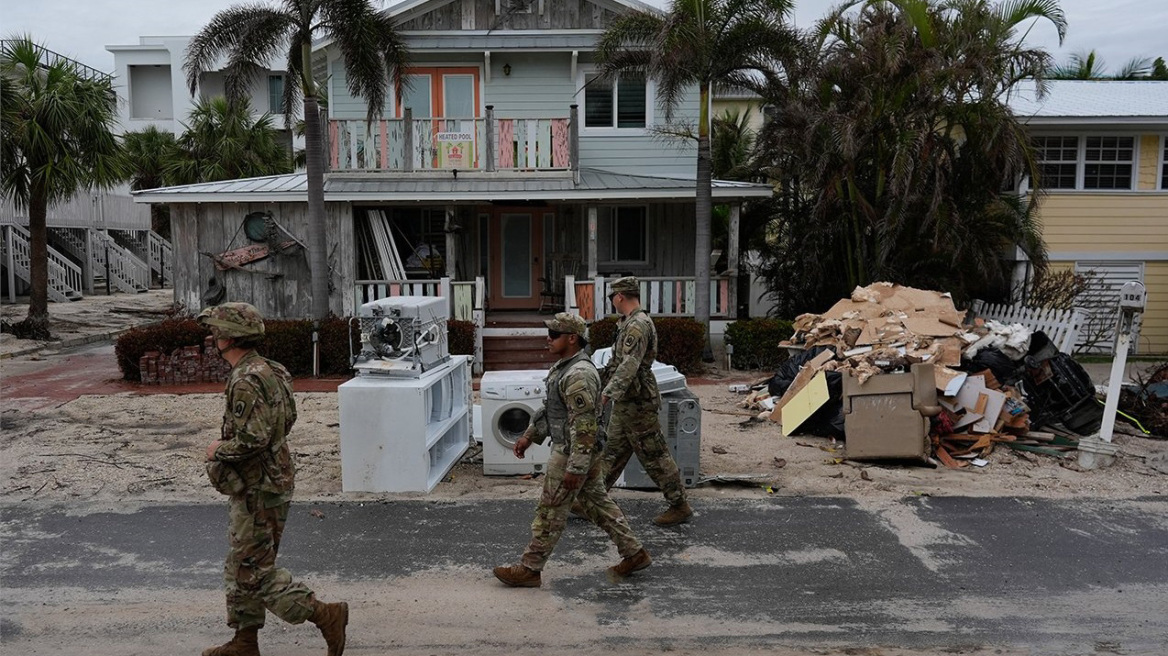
331	619
245	643
633	563
518	576
675	515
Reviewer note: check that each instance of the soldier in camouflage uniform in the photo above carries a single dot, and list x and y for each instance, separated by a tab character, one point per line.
252	464
569	417
629	384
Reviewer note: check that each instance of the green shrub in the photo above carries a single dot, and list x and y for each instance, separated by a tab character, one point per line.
462	337
680	341
756	342
165	336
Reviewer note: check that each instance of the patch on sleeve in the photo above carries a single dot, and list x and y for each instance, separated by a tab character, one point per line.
239	409
580	401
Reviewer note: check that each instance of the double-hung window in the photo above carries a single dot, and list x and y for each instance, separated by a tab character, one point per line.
1058	160
1108	162
627	234
620	105
1164	163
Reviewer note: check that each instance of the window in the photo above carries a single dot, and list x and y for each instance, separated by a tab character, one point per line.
628	234
1108	162
1058	161
623	105
1164	165
276	94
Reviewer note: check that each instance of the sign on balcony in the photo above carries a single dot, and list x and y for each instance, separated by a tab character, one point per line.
455	150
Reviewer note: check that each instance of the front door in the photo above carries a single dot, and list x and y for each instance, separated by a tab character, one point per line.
447	99
516	252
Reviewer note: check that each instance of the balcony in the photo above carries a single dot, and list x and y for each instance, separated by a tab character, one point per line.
408	144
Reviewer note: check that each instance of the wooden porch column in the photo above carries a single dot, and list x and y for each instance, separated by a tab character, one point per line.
732	260
574	142
451	230
492	147
9	264
408	139
591	241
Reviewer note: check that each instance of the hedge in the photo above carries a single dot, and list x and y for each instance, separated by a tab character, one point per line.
680	341
756	342
287	341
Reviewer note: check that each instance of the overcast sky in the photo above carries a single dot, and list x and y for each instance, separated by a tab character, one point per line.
1116	29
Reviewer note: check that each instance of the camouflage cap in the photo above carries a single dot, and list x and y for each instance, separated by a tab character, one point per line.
233	320
567	323
626	285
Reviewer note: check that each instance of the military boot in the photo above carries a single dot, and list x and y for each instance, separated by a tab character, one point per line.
518	576
578	510
331	619
245	643
633	563
675	515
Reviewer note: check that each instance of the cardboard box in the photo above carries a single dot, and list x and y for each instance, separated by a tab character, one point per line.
888	416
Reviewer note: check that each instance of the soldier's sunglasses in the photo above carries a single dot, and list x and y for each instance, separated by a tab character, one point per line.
555	334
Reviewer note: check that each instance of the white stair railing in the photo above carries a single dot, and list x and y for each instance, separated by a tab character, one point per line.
64	276
126	272
161	256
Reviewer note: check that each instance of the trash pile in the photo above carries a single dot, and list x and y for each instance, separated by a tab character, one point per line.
862	371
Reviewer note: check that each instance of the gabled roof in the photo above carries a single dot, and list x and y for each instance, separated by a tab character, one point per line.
1093	102
406	6
595	185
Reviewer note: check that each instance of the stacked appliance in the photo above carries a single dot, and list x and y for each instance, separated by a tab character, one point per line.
509	401
405	417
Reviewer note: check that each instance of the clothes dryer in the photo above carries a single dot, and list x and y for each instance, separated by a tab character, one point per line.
509	401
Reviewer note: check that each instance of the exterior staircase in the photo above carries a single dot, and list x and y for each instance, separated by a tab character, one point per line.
65	280
127	273
515	343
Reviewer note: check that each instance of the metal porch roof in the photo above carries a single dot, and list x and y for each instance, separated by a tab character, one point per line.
467	187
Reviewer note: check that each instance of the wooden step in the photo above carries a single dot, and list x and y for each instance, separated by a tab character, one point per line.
515	343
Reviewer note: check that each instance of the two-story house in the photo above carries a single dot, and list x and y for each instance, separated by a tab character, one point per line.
505	162
1103	147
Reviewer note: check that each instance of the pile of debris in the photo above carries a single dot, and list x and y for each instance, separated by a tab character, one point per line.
969	386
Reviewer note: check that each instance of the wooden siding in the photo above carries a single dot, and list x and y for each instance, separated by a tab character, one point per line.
1116	222
279	286
669	242
540	85
1148	174
638	154
480	15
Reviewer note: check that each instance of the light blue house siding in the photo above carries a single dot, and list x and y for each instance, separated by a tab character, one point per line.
541	86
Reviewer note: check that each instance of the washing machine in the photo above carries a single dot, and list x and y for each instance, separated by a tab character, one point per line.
509	400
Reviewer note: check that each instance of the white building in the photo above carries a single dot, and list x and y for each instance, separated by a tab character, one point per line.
152	87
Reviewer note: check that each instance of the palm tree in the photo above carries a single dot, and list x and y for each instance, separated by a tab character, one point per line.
707	44
147	153
1087	66
902	179
249	36
57	123
225	141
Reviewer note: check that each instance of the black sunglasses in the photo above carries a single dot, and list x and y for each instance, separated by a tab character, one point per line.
555	334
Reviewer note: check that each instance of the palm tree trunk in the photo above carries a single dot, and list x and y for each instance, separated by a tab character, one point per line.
702	212
38	266
317	230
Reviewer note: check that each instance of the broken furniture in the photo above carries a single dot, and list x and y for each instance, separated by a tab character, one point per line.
1061	326
888	416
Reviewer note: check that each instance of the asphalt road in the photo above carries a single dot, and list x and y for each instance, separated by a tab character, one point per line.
781	575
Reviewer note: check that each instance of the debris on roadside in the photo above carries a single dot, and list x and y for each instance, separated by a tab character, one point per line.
948	390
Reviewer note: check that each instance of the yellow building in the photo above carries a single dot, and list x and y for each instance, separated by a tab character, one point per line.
1102	146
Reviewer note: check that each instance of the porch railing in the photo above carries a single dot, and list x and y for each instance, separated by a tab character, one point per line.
673	296
435	143
64	283
467	300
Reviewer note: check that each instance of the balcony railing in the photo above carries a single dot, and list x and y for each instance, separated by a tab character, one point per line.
440	144
674	296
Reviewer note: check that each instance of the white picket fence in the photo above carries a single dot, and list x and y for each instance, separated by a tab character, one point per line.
1061	326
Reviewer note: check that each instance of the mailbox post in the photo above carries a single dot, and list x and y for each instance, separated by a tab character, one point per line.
1097	450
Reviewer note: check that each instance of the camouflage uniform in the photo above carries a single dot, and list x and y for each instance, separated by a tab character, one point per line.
630	385
260	411
569	418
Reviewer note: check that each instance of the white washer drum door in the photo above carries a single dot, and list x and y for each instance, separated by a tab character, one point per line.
510	420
